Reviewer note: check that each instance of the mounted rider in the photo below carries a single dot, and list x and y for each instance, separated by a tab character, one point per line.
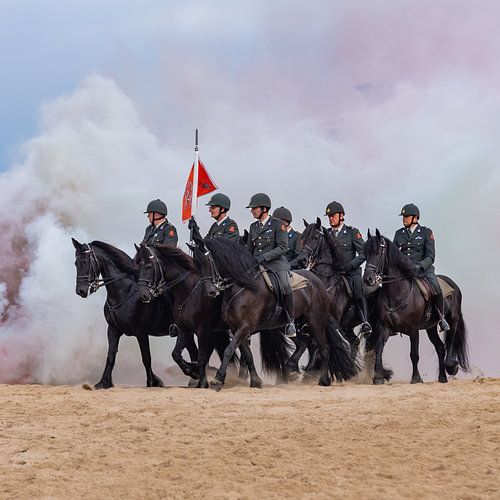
223	227
417	243
349	243
268	243
159	229
293	236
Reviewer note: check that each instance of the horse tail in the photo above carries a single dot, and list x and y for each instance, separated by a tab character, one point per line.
457	340
274	351
340	361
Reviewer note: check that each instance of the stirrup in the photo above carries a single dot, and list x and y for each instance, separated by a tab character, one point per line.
290	330
366	328
443	325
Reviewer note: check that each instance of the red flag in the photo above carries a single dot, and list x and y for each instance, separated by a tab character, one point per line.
205	185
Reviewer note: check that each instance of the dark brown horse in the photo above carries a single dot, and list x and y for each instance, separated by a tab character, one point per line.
402	308
248	306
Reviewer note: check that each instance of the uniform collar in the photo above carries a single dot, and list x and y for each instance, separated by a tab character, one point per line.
221	221
265	221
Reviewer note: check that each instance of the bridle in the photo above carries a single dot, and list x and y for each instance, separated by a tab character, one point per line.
314	253
92	280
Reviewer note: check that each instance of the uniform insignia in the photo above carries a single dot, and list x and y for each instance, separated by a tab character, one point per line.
231	229
171	232
358	236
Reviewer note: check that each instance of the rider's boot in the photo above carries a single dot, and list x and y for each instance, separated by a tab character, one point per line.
439	303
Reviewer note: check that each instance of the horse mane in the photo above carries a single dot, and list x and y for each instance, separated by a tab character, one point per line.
394	256
175	255
123	261
233	261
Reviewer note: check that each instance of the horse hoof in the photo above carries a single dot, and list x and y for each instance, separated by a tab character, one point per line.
193	382
325	382
443	380
452	370
203	384
216	384
156	382
103	385
379	381
256	383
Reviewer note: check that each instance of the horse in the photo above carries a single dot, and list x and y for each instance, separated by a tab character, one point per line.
401	307
196	302
248	306
123	310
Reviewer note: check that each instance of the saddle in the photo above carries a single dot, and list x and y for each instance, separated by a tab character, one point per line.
426	289
297	281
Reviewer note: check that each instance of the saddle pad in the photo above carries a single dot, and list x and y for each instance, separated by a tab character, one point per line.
297	281
426	290
447	289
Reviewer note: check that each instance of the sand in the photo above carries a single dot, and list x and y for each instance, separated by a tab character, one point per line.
348	441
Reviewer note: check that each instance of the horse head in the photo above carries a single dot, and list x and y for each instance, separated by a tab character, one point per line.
311	242
87	269
211	281
151	280
376	259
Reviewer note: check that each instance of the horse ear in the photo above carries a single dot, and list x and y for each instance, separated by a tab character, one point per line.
137	247
306	224
318	222
76	244
369	234
377	233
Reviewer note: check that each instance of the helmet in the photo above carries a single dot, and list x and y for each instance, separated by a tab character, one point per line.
334	208
283	214
157	206
410	209
219	200
259	200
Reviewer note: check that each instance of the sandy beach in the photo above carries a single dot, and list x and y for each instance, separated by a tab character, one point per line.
346	441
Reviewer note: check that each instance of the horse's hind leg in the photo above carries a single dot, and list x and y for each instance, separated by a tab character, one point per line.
414	355
152	380
439	346
113	339
301	342
186	340
255	380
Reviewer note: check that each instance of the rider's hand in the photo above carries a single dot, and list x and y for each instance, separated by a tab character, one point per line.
260	259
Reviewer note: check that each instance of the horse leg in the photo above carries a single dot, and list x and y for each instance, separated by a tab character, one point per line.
152	380
186	340
432	333
239	336
414	356
381	338
204	352
243	371
353	340
113	339
319	333
300	348
255	380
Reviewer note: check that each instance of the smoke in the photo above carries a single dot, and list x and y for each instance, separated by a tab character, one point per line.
374	105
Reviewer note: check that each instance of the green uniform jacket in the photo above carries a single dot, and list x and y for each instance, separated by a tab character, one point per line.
350	245
226	229
418	246
164	233
271	243
293	240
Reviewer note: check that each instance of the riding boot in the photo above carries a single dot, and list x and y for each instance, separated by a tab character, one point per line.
366	328
290	330
439	303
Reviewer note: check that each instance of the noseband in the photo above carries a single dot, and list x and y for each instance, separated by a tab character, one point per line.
314	253
379	268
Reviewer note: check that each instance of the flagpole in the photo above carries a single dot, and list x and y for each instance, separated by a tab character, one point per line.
194	199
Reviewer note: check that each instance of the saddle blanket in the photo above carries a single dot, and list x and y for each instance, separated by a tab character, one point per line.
296	282
425	288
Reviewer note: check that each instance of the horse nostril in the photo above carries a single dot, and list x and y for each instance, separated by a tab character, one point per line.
81	293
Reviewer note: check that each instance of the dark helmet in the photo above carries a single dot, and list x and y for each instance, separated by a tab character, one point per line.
157	206
410	209
334	208
219	200
283	213
260	200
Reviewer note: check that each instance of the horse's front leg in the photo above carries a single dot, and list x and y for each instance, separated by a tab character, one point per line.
381	335
152	380
240	335
185	340
432	333
414	356
204	352
301	344
113	340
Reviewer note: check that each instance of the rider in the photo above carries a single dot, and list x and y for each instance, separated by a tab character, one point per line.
292	255
268	243
349	243
223	227
159	229
417	242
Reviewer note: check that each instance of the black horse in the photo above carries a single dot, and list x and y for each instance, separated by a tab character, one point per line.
248	306
401	307
123	311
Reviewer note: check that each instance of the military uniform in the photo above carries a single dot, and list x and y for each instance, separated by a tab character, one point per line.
293	238
226	229
419	247
164	233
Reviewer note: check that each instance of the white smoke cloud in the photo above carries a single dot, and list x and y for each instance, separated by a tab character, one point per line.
373	106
